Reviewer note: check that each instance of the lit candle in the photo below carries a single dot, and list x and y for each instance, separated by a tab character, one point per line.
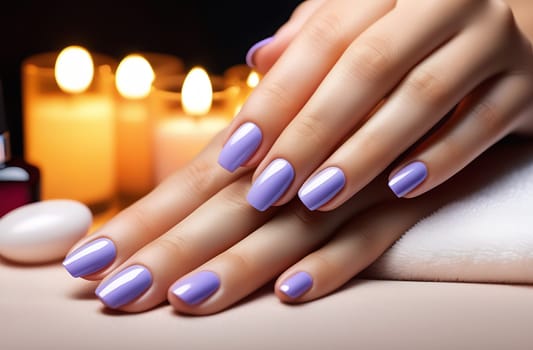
187	122
133	80
134	77
68	124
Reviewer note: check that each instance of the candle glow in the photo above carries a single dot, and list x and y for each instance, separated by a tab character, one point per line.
134	77
253	79
197	92
74	69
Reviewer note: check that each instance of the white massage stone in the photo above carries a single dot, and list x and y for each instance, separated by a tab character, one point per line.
43	231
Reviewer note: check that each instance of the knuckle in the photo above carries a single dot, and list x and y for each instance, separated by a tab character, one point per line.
238	262
324	263
311	130
450	148
276	94
198	176
173	245
323	30
375	144
426	87
235	194
370	59
140	218
488	118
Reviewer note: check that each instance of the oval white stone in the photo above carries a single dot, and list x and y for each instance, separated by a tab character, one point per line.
43	231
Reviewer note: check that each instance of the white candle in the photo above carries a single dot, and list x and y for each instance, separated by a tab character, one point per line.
179	138
133	81
69	131
181	133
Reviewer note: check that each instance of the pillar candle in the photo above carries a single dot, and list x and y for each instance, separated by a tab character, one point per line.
134	77
187	120
69	126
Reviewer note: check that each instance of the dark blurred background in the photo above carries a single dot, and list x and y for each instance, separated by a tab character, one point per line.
214	34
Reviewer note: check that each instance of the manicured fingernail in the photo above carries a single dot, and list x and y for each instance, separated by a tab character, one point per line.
125	287
408	178
90	257
251	52
271	184
194	289
319	189
297	284
240	146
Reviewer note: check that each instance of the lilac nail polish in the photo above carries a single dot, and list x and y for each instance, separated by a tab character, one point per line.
124	287
90	257
196	288
408	178
297	284
254	48
322	187
240	146
271	184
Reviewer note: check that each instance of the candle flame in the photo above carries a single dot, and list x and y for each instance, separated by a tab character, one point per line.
74	69
134	77
197	92
253	79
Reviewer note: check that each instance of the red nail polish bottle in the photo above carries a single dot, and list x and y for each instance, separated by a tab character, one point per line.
19	181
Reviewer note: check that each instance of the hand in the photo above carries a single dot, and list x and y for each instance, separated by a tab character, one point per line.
224	249
354	86
199	216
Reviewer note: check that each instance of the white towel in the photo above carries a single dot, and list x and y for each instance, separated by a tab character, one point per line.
483	236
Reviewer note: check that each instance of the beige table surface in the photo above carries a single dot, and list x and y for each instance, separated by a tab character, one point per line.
43	308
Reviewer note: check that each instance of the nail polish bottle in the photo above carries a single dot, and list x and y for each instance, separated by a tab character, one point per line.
19	181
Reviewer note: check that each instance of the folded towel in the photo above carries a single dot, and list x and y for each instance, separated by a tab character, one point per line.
485	235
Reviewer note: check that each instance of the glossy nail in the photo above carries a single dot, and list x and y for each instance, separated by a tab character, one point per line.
319	189
408	178
271	184
196	288
251	52
90	257
297	284
125	287
240	146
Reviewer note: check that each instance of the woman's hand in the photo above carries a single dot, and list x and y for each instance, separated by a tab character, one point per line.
354	86
205	256
199	216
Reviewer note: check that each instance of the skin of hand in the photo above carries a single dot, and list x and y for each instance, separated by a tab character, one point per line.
181	232
199	215
223	250
353	87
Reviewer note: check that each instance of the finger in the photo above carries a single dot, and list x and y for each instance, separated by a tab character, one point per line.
203	234
265	53
482	120
354	247
417	105
261	256
370	67
294	77
94	256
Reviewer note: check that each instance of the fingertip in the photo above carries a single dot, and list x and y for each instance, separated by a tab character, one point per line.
322	187
91	259
250	55
408	178
263	57
292	288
